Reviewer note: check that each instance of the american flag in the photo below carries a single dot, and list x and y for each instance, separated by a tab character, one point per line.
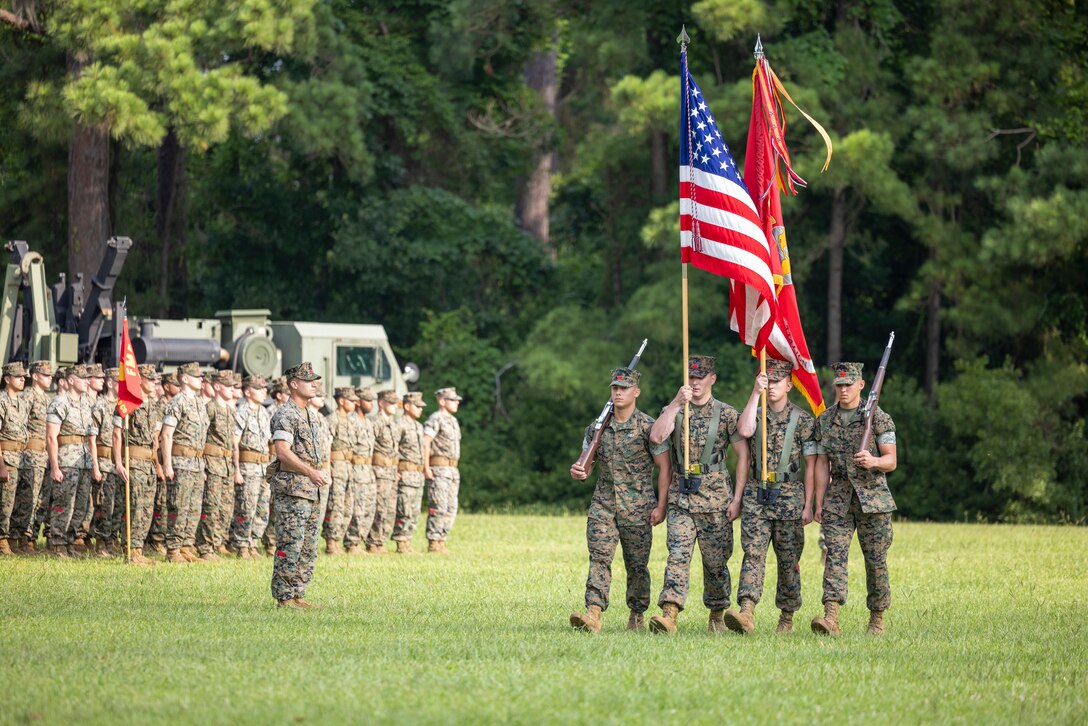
720	229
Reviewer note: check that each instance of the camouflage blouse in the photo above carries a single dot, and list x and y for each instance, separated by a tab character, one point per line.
14	413
37	405
221	434
364	437
189	417
252	424
343	429
838	435
324	439
385	435
410	440
102	415
716	491
144	425
74	418
445	432
303	431
791	495
625	466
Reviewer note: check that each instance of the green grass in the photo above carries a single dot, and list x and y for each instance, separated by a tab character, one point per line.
988	624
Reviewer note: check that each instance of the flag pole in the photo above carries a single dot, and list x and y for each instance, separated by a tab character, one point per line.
763	407
128	499
683	39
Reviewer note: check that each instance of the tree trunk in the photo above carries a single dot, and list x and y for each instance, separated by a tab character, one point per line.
933	340
836	241
533	203
170	223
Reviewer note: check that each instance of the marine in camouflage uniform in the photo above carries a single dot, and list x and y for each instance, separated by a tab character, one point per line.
263	530
110	491
409	472
344	430
252	429
184	433
14	412
790	442
324	439
441	456
386	435
32	496
69	439
364	495
87	497
625	505
706	515
157	535
297	484
856	498
143	472
220	453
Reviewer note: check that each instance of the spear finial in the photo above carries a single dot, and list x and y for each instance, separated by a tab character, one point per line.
759	47
683	38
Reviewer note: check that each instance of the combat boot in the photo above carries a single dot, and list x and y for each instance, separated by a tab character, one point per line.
829	623
159	548
138	557
222	550
299	602
332	547
716	623
102	550
404	547
785	622
59	551
210	557
31	546
590	620
176	557
437	546
636	622
79	547
189	554
290	604
876	622
378	549
353	549
5	548
666	621
18	545
744	621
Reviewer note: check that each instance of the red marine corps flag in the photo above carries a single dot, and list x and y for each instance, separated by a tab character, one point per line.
129	393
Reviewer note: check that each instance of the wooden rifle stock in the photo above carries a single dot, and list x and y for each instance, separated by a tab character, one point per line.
874	396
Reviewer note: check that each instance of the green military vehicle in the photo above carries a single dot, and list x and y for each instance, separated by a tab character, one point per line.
62	325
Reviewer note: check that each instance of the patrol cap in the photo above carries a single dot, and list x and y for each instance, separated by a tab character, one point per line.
847	373
208	376
237	379
170	379
148	371
62	372
415	398
254	382
345	392
778	370
319	389
113	374
302	372
94	370
388	397
189	369
365	394
448	394
625	377
224	378
701	366
77	371
15	369
43	367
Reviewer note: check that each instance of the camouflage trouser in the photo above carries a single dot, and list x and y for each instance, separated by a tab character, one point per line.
63	506
875	537
263	529
80	526
7	502
28	500
142	485
107	496
756	534
714	533
215	512
245	505
409	501
385	505
363	501
43	513
297	523
183	496
602	534
341	501
157	533
442	497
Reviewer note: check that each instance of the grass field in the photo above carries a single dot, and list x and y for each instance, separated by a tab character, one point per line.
988	624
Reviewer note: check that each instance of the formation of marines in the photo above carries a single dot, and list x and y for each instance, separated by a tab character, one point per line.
214	470
815	466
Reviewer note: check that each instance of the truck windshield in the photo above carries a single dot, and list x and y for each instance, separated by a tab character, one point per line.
355	360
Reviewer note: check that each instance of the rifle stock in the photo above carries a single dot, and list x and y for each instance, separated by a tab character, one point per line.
874	396
603	419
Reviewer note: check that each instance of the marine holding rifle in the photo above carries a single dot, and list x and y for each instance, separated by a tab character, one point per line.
856	449
625	506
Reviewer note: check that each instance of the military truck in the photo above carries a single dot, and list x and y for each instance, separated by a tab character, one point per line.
62	325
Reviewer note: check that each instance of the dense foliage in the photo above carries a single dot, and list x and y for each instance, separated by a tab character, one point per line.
378	161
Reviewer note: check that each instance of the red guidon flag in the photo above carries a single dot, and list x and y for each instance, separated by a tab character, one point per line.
767	171
129	393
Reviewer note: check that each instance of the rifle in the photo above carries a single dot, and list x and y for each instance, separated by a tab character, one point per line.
874	396
606	415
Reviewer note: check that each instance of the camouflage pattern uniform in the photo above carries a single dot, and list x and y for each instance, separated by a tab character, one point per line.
187	414
364	496
445	434
74	460
410	467
295	497
32	497
144	425
87	497
218	504
619	511
780	522
386	435
252	426
109	492
157	533
856	498
263	529
701	517
343	430
14	413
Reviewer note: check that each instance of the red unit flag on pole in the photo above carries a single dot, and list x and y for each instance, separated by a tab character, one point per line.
130	395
